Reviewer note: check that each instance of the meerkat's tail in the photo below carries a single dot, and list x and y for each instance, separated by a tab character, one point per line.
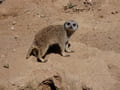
32	51
29	52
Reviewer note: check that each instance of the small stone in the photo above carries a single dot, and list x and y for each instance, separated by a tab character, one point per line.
109	37
65	7
116	11
14	50
14	22
13	84
112	13
27	11
77	9
6	66
12	28
21	86
16	37
101	16
42	16
84	2
99	9
38	15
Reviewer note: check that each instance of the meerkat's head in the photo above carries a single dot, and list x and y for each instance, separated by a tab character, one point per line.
71	25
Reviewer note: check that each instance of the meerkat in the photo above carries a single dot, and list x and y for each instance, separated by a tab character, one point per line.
53	34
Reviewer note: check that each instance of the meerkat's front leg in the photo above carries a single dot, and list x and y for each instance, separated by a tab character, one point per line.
40	59
67	49
62	46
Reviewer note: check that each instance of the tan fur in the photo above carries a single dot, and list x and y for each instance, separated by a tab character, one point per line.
53	34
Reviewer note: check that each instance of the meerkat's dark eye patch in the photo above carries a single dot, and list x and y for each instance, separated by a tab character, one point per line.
74	24
68	24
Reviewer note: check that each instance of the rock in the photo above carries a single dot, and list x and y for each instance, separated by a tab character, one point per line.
38	15
16	36
14	50
27	12
112	13
65	7
6	66
12	28
42	16
14	22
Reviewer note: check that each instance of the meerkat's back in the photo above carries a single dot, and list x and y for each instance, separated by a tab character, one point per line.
50	35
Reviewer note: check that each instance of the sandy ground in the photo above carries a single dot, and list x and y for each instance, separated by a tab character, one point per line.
95	64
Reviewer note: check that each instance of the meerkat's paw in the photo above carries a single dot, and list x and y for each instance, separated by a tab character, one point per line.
42	60
67	48
69	51
64	55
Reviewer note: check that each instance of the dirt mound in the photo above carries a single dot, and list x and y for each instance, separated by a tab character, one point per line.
95	63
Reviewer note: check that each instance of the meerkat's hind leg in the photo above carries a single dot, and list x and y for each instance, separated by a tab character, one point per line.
67	45
42	55
32	51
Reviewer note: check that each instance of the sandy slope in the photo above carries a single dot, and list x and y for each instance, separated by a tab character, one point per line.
95	64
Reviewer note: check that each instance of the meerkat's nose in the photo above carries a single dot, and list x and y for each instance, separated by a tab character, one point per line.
71	27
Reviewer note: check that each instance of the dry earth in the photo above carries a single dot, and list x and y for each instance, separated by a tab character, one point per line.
95	64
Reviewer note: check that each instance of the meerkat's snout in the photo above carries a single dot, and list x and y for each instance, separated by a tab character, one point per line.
71	25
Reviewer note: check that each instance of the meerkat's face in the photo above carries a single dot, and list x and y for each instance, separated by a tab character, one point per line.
71	25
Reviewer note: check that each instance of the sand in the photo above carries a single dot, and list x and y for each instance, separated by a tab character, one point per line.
95	63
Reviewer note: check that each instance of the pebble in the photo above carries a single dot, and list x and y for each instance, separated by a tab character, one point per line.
42	16
14	50
6	66
22	86
27	11
65	7
14	22
39	16
16	37
12	28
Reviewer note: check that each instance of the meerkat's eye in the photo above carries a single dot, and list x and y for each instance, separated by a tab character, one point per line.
68	24
74	25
